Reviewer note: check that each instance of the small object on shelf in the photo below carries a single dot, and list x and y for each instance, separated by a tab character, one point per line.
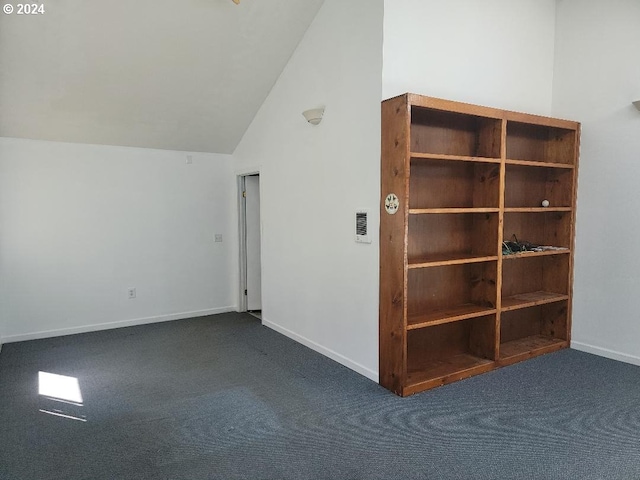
545	203
515	246
512	248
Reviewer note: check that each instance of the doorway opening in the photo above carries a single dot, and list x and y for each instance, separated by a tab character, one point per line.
250	245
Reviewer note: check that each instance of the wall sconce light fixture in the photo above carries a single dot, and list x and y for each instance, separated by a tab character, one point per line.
314	116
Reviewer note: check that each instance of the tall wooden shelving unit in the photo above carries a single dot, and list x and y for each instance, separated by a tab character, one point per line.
467	178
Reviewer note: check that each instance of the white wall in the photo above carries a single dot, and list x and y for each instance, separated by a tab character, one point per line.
497	53
80	224
597	76
319	286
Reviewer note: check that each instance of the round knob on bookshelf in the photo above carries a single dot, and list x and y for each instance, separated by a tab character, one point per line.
391	203
545	203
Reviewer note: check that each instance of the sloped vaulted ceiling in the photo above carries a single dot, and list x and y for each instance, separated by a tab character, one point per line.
179	75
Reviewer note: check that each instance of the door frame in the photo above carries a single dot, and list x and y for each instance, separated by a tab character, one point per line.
242	236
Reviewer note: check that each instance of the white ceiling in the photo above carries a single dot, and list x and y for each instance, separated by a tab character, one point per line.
180	75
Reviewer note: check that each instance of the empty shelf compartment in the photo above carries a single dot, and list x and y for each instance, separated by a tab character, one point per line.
450	133
526	141
528	332
456	349
457	235
453	184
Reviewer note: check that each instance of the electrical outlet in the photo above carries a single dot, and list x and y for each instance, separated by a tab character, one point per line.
189	159
217	237
132	293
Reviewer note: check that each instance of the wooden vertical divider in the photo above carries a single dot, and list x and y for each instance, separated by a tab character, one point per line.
393	244
503	156
574	195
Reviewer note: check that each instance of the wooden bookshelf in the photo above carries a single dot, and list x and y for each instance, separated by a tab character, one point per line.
468	178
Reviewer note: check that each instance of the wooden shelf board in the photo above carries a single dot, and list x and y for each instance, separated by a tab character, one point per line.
422	211
541	120
536	209
446	370
448	315
435	103
518	255
532	163
455	158
448	259
525	300
528	347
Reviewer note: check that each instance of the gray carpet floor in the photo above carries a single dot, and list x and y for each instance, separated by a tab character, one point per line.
222	397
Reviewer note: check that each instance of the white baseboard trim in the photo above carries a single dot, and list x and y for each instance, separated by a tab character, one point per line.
341	359
118	324
605	352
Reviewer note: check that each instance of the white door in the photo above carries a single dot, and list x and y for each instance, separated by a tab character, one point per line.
252	203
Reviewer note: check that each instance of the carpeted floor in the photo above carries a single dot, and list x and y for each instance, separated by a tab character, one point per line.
222	397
